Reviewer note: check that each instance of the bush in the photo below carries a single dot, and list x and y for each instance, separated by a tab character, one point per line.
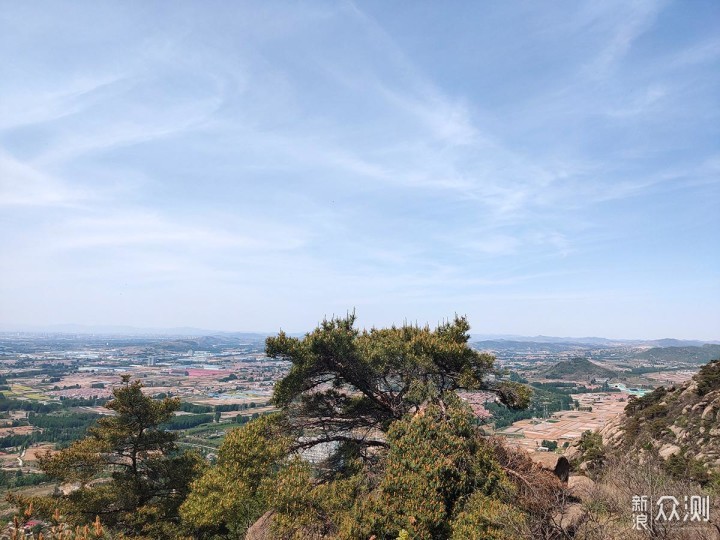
708	379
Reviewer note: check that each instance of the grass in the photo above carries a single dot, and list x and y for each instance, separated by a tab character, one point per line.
23	391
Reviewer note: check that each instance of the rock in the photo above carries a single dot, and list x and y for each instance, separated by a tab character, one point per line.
260	530
555	463
70	487
668	450
571	452
571	518
581	487
707	412
700	405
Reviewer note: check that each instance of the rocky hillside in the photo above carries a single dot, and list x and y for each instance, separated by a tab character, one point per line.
679	424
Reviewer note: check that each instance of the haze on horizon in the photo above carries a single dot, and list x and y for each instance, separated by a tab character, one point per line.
543	168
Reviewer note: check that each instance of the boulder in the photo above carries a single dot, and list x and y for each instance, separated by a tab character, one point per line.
667	450
581	487
555	463
260	530
571	518
571	452
707	411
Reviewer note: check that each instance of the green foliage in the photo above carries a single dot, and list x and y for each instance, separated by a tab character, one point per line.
516	377
230	496
515	394
550	445
195	408
708	379
139	476
344	383
436	461
685	467
663	355
592	450
578	368
543	400
13	479
187	421
7	404
560	387
62	428
234	407
58	427
305	508
406	458
67	402
435	479
646	413
486	518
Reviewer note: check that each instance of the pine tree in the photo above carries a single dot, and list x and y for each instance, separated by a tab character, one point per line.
127	470
346	387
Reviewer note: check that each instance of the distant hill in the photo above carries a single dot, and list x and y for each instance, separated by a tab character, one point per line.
578	369
528	347
669	342
509	338
205	343
701	355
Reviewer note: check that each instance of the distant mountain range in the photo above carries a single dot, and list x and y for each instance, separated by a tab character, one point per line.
110	330
483	341
700	355
508	339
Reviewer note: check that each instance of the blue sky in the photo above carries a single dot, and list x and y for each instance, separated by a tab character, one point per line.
542	167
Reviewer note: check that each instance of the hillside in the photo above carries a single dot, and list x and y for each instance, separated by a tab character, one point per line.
699	355
680	425
204	343
580	369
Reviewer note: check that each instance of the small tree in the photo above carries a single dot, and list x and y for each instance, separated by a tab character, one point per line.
129	471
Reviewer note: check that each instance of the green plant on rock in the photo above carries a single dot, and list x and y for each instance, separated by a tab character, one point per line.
708	378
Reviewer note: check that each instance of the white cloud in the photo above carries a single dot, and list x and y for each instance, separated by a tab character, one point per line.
24	185
628	21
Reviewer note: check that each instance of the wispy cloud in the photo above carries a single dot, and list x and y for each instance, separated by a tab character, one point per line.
303	159
629	22
22	184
